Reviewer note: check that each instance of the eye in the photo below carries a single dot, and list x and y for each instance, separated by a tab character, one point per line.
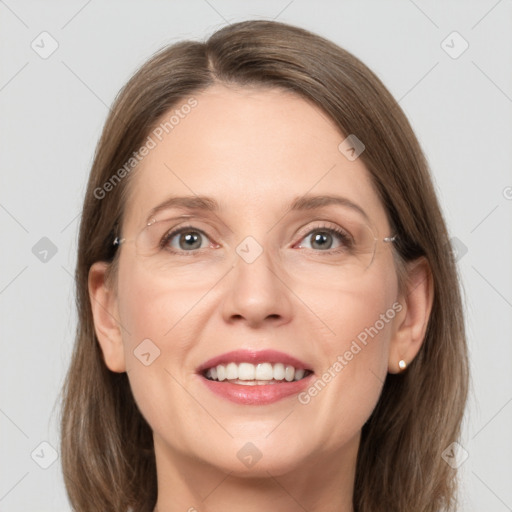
323	238
186	238
191	239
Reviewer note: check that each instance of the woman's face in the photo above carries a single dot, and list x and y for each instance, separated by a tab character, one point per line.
254	279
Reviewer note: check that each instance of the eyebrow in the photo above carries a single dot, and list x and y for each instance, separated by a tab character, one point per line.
307	202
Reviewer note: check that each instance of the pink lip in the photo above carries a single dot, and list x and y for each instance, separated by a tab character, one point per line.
258	394
254	357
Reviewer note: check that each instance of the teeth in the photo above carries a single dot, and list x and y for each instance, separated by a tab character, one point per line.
250	374
279	371
289	373
231	371
299	374
221	372
246	371
264	371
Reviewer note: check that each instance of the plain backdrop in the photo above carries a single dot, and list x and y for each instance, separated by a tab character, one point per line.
53	106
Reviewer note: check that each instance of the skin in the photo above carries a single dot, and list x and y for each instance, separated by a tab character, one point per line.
254	150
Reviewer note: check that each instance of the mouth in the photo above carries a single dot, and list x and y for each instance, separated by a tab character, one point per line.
255	378
248	374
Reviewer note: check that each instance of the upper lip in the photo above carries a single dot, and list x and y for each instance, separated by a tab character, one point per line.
254	357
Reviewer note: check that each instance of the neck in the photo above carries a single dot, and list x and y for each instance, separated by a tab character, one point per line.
323	482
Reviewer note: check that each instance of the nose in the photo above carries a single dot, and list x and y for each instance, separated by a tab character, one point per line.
257	293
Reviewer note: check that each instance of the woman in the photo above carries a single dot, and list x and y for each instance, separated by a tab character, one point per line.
269	309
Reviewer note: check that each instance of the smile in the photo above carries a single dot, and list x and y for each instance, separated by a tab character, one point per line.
249	377
248	374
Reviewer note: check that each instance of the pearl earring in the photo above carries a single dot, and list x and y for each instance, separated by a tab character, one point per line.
402	365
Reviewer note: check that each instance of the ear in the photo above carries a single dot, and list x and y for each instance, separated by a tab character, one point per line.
105	315
412	320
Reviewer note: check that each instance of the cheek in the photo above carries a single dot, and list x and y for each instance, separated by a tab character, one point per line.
359	311
163	318
153	306
354	355
154	319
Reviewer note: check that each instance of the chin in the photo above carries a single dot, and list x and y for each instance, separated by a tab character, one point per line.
257	458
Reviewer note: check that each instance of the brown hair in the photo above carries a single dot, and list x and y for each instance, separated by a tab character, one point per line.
107	448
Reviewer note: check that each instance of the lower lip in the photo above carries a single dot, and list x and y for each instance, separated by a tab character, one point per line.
260	394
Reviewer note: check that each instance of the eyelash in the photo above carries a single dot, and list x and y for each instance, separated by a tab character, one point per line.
342	234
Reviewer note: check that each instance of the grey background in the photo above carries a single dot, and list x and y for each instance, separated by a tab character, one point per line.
53	110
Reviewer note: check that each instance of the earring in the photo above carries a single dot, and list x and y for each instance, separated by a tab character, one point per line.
402	365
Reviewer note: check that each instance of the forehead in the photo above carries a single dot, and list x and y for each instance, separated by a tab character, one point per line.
254	150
